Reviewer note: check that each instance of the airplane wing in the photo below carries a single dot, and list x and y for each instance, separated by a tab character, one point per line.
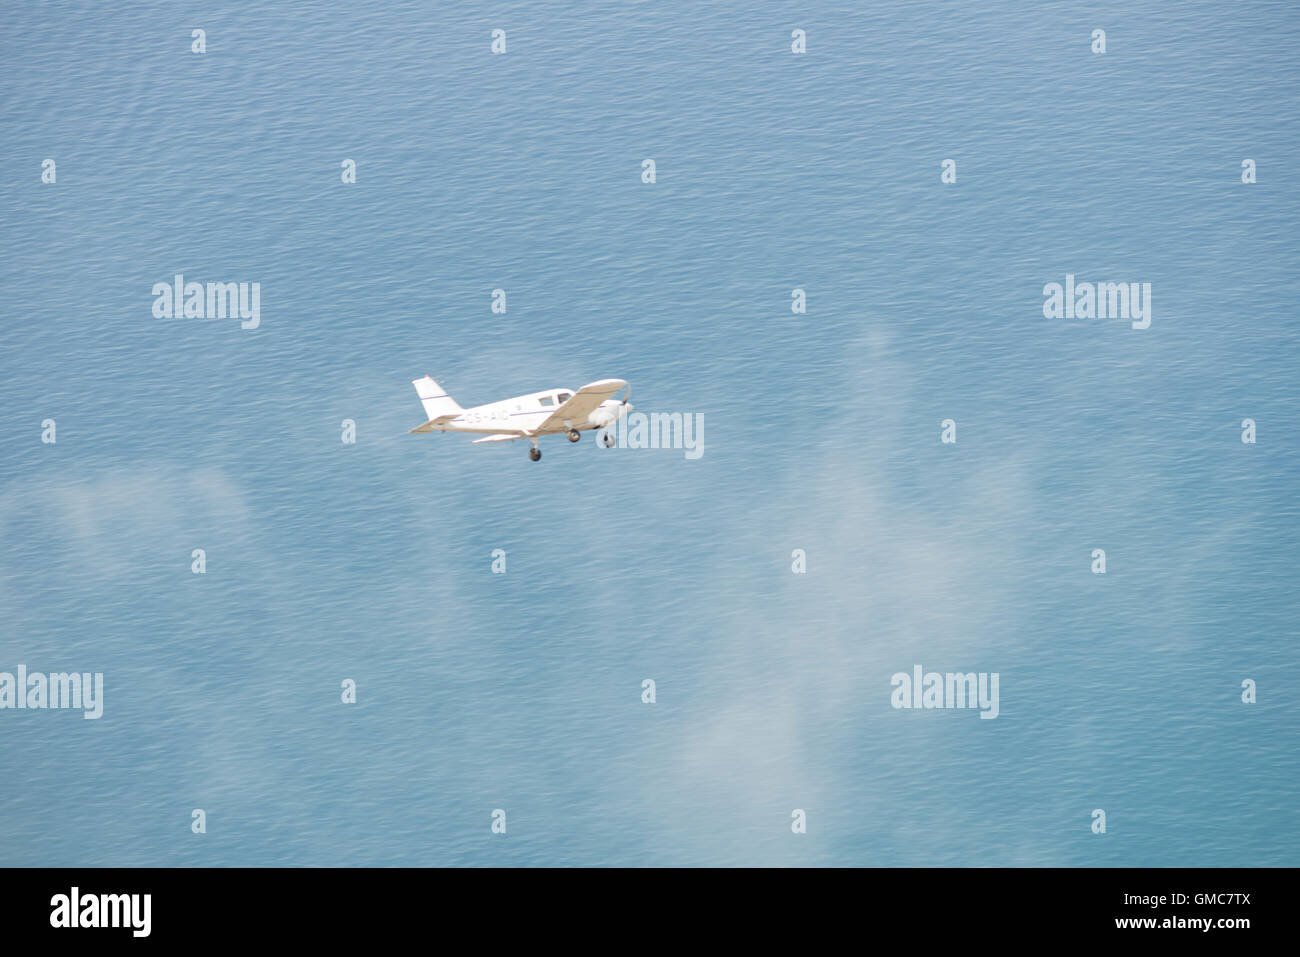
581	404
498	438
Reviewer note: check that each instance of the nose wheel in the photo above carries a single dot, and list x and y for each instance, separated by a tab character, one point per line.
574	435
535	454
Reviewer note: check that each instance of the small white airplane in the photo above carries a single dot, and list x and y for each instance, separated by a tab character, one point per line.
527	416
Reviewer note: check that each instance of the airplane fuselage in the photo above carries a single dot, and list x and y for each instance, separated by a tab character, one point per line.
528	412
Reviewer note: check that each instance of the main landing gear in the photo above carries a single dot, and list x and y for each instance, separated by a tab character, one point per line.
536	454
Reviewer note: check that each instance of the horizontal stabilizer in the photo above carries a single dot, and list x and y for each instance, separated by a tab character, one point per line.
435	423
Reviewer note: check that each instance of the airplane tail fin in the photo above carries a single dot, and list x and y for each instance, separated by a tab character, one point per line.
435	399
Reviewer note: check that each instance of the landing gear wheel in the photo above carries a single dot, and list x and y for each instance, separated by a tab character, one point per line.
535	454
574	435
605	439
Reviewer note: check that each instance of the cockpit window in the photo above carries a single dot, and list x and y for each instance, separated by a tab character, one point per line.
547	401
564	397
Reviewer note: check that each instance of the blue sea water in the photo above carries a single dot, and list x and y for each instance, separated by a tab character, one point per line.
522	692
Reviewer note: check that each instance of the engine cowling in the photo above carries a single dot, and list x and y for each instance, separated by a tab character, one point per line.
602	417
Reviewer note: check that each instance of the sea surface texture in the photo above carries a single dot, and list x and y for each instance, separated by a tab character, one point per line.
919	468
